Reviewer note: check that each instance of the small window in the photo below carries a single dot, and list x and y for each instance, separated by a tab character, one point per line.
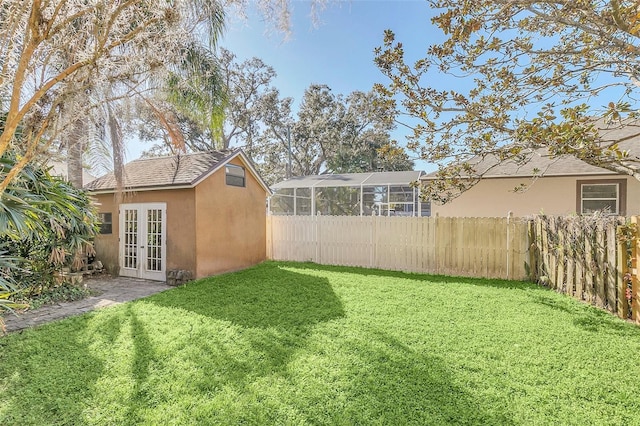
234	175
105	223
608	196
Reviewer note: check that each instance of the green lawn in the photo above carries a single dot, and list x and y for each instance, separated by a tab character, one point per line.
286	343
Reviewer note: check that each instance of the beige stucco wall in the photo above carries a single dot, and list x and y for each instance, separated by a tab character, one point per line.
180	227
230	223
495	197
106	245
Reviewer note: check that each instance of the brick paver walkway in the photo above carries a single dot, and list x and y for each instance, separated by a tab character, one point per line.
108	291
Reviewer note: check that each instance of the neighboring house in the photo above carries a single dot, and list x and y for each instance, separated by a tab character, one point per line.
565	185
203	213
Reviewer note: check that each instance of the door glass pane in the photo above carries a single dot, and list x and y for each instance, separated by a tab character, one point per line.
131	239
154	240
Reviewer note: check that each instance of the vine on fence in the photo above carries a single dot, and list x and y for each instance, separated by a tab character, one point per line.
577	255
627	234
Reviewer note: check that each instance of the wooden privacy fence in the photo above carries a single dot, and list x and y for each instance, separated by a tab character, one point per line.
579	256
582	257
593	259
475	247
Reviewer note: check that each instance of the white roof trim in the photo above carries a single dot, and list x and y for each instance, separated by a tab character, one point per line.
139	189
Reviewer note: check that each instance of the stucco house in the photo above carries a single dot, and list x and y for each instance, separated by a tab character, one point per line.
203	213
554	186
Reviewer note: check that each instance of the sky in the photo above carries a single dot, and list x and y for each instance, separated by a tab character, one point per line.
338	51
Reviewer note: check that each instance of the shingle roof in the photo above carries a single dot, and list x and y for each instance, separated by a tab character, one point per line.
179	170
540	163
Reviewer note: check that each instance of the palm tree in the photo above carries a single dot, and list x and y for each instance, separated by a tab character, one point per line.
54	55
191	87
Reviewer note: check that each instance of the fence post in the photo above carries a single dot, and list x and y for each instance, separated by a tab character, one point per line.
599	288
610	278
589	267
374	239
269	237
533	250
569	229
560	270
553	254
318	240
623	305
635	285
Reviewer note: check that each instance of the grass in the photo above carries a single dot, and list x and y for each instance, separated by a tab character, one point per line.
286	343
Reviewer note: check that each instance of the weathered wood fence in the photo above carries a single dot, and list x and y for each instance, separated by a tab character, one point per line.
476	247
583	257
593	259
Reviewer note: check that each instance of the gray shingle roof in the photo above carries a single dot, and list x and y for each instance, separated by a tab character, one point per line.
180	170
628	138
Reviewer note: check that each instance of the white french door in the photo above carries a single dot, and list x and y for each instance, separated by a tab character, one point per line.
143	241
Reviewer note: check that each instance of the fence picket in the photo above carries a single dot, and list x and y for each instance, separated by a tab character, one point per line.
560	278
588	270
621	281
635	284
611	268
599	286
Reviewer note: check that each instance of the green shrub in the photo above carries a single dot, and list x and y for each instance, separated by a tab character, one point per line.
38	296
45	224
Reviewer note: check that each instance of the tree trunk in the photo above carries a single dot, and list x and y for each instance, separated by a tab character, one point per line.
75	149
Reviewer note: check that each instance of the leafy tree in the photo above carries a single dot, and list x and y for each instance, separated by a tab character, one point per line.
249	88
244	85
330	134
523	75
365	145
52	54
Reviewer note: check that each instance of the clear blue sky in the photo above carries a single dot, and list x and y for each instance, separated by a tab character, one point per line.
339	51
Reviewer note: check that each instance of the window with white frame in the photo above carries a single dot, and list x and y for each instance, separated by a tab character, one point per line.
608	196
235	175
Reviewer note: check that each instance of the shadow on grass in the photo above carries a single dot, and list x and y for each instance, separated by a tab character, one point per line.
392	383
483	282
48	373
143	354
589	317
267	296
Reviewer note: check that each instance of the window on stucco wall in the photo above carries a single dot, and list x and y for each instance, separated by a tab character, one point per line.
608	196
106	226
234	175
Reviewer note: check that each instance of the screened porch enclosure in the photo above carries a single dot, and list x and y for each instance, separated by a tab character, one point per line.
350	194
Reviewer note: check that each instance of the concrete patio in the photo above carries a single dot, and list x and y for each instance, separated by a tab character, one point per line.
106	290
